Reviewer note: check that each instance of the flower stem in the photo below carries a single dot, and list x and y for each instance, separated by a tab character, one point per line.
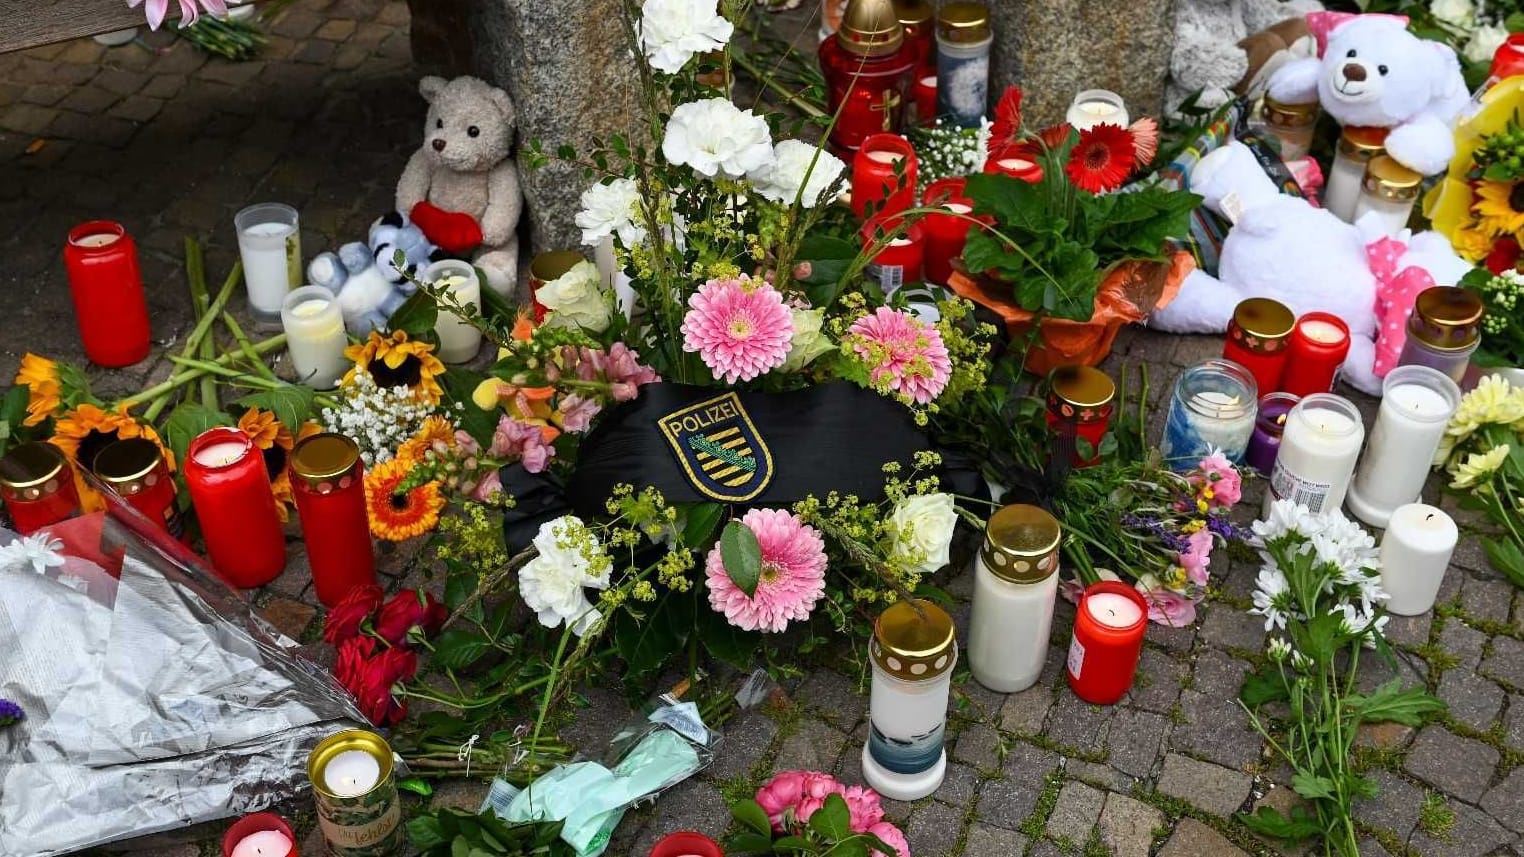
256	362
157	394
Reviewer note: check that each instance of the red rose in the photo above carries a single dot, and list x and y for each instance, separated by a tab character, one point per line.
409	609
355	654
345	619
380	674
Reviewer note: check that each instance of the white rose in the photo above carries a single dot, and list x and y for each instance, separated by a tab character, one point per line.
577	299
609	209
809	340
714	136
1457	12
672	31
552	584
1485	42
780	181
923	526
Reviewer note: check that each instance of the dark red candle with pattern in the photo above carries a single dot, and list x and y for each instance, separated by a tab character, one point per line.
867	65
328	481
136	471
1257	340
1080	404
37	485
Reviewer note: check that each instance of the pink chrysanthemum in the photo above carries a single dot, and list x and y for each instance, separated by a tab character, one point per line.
903	353
793	574
740	328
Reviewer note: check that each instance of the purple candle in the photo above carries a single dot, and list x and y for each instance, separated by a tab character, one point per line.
1265	443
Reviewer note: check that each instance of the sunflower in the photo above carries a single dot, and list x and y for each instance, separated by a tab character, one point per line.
434	429
393	361
274	442
86	430
1471	242
1102	159
40	375
397	515
1500	206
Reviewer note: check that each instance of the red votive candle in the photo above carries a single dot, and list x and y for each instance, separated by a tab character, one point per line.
924	97
1108	639
1315	352
901	260
262	834
37	486
1080	404
1018	162
883	176
686	843
230	491
328	481
1257	340
136	471
102	263
945	233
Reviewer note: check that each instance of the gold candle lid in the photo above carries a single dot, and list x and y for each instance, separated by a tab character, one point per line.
1282	113
1264	318
1447	317
124	463
1362	143
870	28
1387	179
29	465
963	22
1082	386
551	265
323	461
913	13
914	645
340	742
1021	544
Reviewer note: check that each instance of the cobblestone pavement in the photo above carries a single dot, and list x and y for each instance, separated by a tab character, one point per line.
172	144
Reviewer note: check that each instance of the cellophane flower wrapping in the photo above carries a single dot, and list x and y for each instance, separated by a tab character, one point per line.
154	698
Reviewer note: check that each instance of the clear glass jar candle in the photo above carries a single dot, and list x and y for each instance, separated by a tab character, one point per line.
1291	124
1416	405
1388	190
1094	107
270	245
913	652
1015	583
1317	456
315	339
1356	148
459	340
1212	407
1444	330
963	62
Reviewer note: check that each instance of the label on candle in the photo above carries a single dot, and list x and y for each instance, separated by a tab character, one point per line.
907	755
1076	657
890	277
361	835
1289	486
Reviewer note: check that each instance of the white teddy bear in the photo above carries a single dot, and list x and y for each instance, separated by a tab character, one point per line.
1283	247
1374	73
461	186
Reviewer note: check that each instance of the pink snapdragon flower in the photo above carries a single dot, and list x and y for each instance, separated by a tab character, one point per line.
515	439
1197	559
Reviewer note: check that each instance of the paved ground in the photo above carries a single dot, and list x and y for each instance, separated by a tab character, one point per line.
173	144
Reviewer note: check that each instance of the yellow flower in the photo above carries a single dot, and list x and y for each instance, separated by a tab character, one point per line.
393	361
275	442
434	429
1471	242
83	432
1500	212
397	515
40	375
1479	467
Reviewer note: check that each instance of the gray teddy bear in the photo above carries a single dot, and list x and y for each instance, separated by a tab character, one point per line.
1207	57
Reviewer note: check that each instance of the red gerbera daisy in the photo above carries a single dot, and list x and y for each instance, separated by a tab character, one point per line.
1006	131
1054	136
1102	160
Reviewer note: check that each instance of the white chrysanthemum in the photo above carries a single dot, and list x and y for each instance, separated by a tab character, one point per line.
39	550
1271	597
1279	649
1479	466
1356	621
780	180
715	137
1287	516
1459	13
672	31
1485	42
1345	544
609	209
554	583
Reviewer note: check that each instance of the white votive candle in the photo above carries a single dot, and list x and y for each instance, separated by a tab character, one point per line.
1416	404
1113	610
265	843
1317	455
958	208
1415	552
1322	331
271	250
314	326
1096	107
351	773
884	156
220	454
459	341
97	239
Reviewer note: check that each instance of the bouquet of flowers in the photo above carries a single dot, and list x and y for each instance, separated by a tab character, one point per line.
1478	204
1502	326
808	812
1482	452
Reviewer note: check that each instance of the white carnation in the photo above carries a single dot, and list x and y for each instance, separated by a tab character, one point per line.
714	136
1456	12
1485	42
577	299
609	209
672	31
809	341
781	180
923	529
553	584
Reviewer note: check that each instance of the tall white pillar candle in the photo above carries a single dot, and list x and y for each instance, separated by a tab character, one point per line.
1318	451
913	652
314	325
1415	553
1416	404
458	339
1015	584
270	246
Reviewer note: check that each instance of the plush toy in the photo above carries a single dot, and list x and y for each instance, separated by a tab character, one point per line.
1209	55
1269	49
1283	247
1374	73
461	186
364	275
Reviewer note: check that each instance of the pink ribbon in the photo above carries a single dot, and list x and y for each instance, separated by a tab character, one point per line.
1396	291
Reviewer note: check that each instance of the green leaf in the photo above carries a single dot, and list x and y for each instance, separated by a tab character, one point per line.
1390	703
1262	688
459	384
1311	786
647	642
752	816
495	305
794	844
457	649
725	641
416	786
187	420
1506	557
741	554
699	523
1319	638
291	404
833	820
13	406
427	832
417	315
749	843
1270	822
458	587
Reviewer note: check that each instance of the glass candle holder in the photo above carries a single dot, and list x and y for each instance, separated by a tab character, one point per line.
135	470
357	807
1292	126
230	490
1356	148
459	340
1108	640
963	62
1015	583
1415	554
913	652
328	483
1416	405
1094	107
1317	456
868	68
1257	340
900	261
923	101
918	20
545	268
945	234
883	176
315	338
1388	191
686	843
1269	424
37	486
1212	408
1080	403
270	244
261	834
1443	331
1315	352
106	285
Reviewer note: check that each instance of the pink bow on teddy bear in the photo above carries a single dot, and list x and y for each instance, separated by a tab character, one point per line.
1396	291
1320	24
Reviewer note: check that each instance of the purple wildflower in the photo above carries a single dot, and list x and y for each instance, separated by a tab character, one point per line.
1221	526
1174	542
10	713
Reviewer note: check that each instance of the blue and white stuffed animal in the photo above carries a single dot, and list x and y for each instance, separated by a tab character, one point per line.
363	274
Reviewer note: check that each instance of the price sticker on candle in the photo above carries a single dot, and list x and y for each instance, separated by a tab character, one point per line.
1232	206
1076	658
1298	489
889	277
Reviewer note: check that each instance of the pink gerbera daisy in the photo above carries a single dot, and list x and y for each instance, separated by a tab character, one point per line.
903	353
793	574
740	328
